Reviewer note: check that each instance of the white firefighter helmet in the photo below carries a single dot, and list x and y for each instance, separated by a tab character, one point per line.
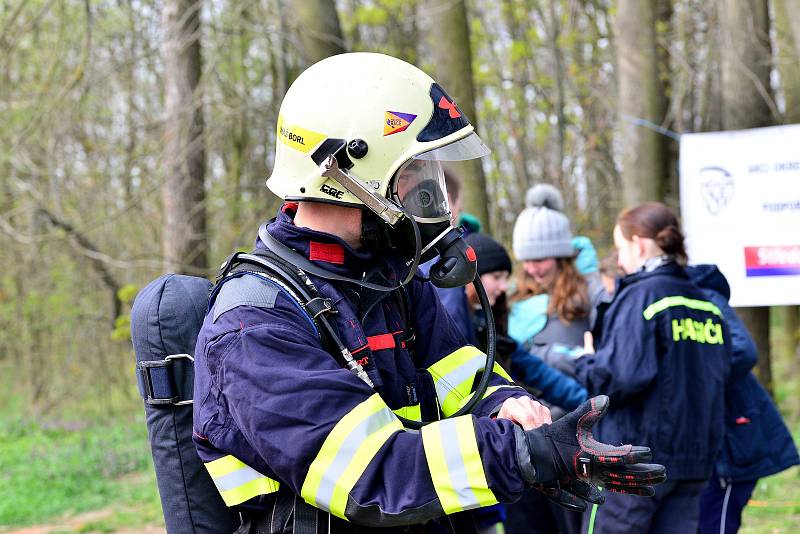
388	113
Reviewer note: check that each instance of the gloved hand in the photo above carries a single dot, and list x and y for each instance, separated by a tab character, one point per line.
566	454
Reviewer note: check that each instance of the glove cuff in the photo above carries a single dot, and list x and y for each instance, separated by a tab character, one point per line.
540	448
524	456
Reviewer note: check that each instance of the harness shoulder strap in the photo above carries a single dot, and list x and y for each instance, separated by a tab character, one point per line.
232	288
404	305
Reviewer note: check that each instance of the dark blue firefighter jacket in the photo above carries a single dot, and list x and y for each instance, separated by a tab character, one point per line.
757	442
273	410
662	358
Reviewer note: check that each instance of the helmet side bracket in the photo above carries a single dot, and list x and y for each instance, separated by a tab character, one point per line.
334	164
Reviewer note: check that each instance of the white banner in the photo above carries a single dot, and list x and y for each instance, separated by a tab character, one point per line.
740	207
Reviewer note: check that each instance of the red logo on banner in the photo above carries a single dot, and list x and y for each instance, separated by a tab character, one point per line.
772	260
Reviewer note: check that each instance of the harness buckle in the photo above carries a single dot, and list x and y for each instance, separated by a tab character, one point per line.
320	305
158	383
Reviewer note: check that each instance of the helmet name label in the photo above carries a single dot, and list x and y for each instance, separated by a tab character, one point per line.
297	137
288	134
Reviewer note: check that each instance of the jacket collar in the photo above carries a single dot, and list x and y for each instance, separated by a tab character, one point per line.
666	269
326	250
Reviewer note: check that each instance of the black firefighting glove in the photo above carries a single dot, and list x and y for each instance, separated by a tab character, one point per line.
566	457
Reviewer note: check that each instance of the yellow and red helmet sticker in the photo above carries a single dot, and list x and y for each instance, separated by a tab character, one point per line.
396	122
297	137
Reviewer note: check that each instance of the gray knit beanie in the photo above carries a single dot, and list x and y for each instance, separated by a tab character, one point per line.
541	230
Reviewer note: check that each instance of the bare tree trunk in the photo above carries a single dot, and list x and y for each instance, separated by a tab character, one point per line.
185	241
710	107
641	102
746	60
788	56
446	32
665	34
317	25
747	103
792	14
554	32
787	29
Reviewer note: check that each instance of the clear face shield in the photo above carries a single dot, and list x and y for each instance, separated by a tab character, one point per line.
419	184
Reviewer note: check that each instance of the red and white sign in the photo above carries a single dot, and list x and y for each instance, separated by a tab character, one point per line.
772	261
740	208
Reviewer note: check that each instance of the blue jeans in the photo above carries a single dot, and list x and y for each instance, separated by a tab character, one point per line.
673	509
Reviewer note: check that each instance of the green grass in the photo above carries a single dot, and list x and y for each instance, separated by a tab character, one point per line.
56	472
775	505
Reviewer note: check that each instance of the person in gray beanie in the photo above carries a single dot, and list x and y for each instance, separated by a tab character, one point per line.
542	230
555	303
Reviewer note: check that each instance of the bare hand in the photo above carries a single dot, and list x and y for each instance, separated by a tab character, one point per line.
588	343
525	412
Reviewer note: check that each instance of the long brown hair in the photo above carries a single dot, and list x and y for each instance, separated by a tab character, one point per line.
569	297
655	221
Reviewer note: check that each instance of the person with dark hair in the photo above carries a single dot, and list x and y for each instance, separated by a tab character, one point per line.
609	271
663	358
757	442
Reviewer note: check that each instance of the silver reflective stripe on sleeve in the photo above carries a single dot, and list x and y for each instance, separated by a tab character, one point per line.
456	468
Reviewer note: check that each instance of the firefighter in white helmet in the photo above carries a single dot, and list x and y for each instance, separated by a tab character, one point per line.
348	401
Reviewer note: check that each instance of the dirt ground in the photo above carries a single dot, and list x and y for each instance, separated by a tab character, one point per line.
79	524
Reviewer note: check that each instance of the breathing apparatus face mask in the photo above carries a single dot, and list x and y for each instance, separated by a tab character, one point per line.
419	186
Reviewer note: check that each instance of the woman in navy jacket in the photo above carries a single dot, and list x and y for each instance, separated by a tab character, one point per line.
757	442
662	356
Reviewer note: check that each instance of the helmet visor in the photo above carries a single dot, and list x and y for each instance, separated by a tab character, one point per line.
419	186
471	147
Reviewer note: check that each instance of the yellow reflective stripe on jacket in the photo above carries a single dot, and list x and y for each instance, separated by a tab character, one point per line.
454	375
490	390
498	370
237	481
346	452
670	302
451	450
413	413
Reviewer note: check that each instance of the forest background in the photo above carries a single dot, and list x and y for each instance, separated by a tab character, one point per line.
135	138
